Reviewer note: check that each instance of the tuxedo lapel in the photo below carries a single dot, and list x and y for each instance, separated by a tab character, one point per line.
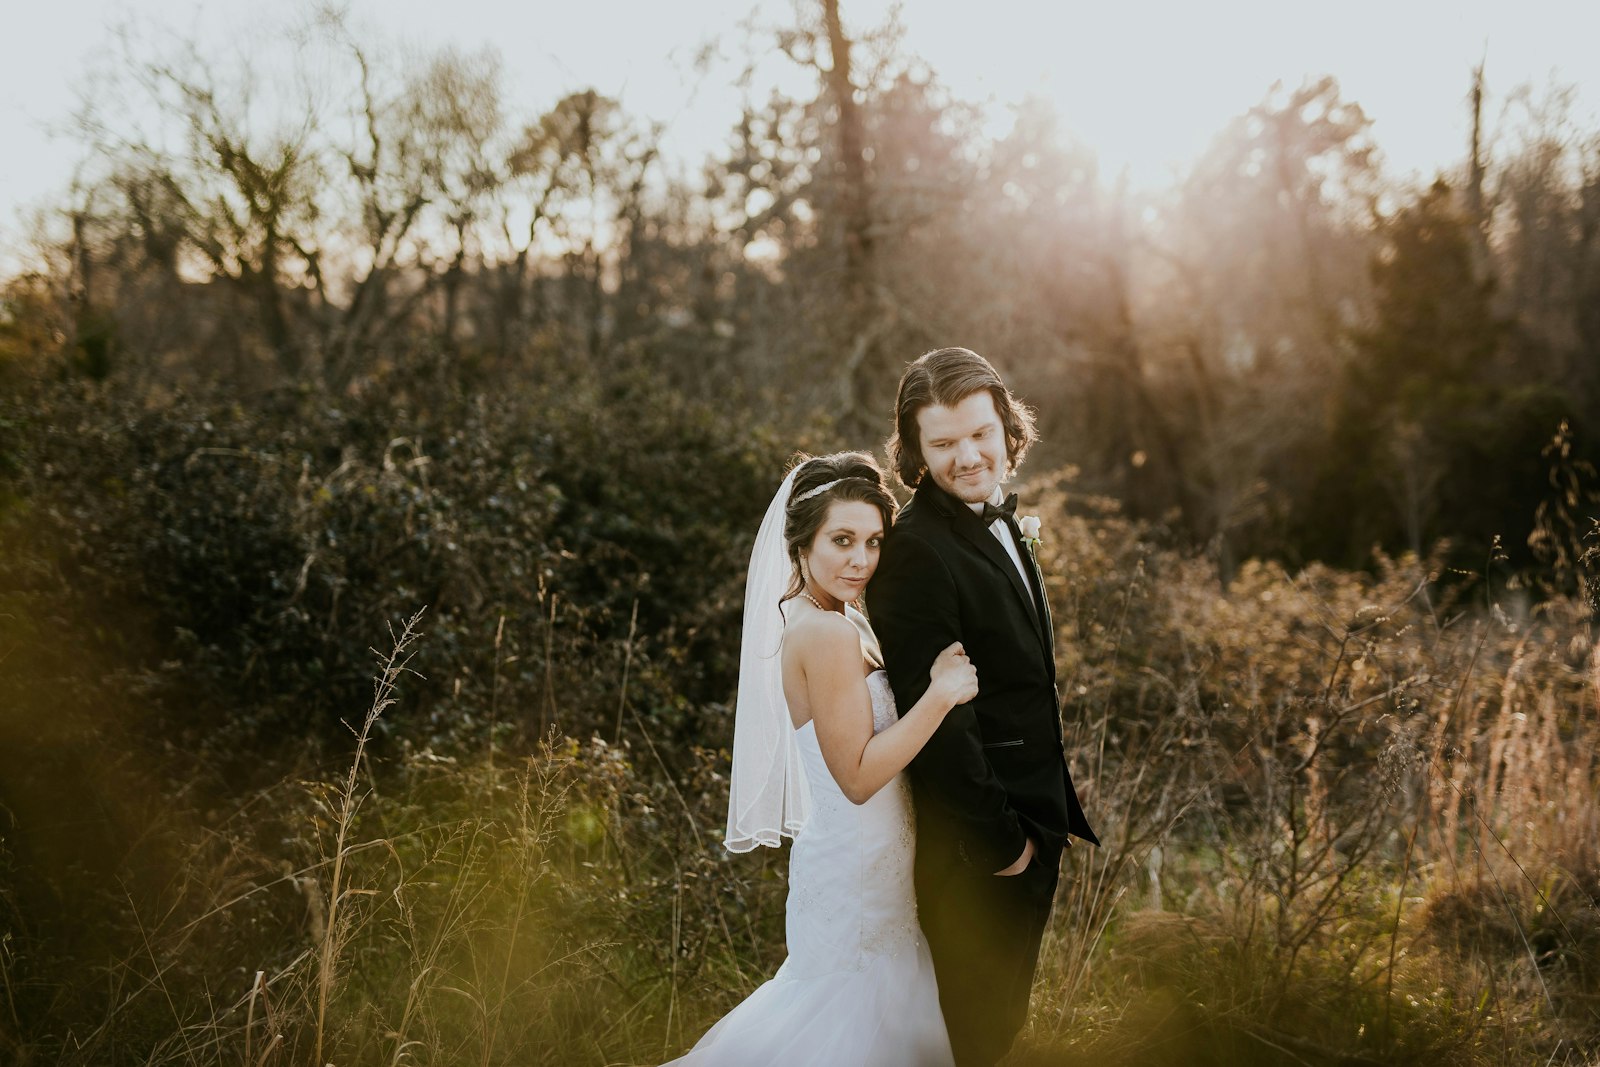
970	528
1048	630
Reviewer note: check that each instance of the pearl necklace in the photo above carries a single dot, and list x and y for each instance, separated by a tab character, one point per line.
807	594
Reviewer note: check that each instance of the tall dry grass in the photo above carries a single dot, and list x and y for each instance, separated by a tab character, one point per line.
420	909
1347	819
1351	819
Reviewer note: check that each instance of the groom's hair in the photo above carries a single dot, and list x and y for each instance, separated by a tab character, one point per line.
947	376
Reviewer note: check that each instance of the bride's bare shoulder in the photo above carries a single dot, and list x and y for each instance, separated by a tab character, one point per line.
816	635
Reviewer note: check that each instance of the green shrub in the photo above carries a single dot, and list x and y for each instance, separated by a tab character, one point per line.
255	547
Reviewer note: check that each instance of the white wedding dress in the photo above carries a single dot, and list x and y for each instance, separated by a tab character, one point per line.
858	988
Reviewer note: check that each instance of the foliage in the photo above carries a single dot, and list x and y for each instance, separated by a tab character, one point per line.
1287	354
1431	435
273	388
1286	771
257	546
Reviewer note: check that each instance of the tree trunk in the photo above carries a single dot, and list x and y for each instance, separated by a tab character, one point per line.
270	300
1475	201
859	382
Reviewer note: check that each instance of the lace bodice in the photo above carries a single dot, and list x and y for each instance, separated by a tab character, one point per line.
884	713
860	854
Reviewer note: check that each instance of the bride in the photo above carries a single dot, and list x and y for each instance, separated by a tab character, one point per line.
817	755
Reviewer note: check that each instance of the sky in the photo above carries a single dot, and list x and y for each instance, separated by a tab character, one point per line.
1145	83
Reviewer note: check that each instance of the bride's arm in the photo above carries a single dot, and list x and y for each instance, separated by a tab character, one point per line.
861	761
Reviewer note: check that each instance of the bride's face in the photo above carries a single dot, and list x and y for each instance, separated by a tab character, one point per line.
844	553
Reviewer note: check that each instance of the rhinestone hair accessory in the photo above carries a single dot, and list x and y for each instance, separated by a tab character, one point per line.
819	490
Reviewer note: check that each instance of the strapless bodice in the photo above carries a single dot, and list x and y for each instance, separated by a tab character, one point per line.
850	872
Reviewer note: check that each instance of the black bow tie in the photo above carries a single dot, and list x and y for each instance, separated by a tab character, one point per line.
1006	509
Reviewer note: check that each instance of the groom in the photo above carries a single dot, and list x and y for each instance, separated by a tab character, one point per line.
994	798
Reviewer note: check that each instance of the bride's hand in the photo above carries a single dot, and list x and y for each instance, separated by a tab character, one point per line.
953	676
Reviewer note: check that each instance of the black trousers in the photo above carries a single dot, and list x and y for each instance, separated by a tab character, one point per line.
984	933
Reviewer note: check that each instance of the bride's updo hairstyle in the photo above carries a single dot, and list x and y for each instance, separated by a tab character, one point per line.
848	476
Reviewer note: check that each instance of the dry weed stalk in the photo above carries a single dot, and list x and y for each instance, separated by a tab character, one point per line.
395	665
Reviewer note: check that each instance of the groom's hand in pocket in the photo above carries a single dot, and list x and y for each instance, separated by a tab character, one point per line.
1021	865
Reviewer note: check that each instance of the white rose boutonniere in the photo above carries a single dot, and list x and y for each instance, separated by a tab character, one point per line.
1028	526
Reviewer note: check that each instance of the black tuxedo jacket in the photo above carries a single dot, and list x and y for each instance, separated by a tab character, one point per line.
995	769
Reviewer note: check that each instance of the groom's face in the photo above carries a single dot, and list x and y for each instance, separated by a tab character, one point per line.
964	447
